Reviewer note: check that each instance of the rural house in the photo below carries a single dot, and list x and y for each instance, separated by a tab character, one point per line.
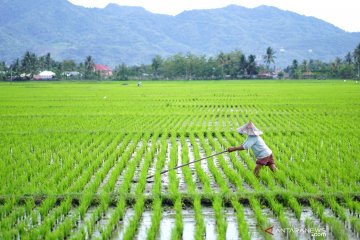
45	75
103	71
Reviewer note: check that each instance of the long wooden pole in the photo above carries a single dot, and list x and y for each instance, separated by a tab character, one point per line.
165	171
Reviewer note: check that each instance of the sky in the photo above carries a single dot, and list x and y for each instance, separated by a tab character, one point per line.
343	14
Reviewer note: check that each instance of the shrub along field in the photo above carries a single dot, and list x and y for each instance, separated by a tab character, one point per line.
71	150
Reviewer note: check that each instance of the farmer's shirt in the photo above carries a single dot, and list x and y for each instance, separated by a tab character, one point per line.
258	146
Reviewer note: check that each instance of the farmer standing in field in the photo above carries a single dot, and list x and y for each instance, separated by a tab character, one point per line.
261	151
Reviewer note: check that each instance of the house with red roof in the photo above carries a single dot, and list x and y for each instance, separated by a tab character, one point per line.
103	71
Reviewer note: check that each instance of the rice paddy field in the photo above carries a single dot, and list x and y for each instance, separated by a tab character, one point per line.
74	157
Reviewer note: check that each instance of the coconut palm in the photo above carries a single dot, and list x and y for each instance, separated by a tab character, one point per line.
348	58
222	60
269	57
29	63
156	63
357	58
89	66
251	67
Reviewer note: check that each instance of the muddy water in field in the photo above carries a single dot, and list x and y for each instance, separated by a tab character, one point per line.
210	224
189	224
230	185
164	177
252	224
218	166
62	217
232	231
295	223
351	234
166	224
140	166
102	222
80	223
180	176
192	166
274	222
119	232
145	224
106	179
244	184
151	171
348	224
121	177
308	213
204	166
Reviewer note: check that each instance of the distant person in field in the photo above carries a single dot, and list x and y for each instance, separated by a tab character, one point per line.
261	151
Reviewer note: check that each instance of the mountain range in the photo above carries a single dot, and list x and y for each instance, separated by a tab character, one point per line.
118	34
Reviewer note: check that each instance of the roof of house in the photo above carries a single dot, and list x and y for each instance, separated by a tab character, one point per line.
100	67
46	73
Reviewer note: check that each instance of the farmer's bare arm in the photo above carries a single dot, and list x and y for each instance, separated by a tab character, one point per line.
239	148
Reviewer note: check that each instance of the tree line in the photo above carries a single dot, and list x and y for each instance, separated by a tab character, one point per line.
232	65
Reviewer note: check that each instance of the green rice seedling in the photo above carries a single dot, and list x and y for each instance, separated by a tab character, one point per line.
242	225
221	223
119	211
65	227
156	191
89	226
204	179
173	180
118	214
93	142
200	229
355	224
338	210
148	160
191	188
130	231
247	175
125	151
261	220
6	208
132	166
199	221
309	223
213	169
354	206
49	222
177	231
292	202
155	219
274	205
228	170
336	227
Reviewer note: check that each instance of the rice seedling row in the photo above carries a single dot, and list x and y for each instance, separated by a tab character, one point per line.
70	153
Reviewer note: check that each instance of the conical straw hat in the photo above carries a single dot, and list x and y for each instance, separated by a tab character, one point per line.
249	129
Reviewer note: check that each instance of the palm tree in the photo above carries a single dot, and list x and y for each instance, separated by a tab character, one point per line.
295	69
89	66
251	67
156	63
269	57
348	58
29	63
357	58
222	60
304	66
48	61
